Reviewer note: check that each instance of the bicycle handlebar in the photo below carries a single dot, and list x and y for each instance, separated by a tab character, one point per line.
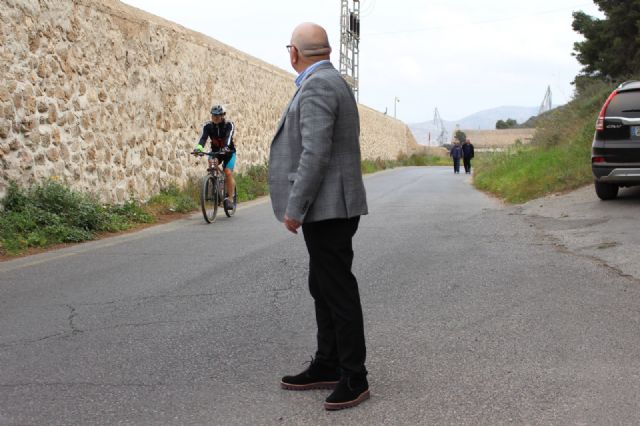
202	153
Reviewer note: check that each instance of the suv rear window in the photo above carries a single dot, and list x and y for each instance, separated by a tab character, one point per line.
625	104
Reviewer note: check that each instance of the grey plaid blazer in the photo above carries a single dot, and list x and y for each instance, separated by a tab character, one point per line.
314	162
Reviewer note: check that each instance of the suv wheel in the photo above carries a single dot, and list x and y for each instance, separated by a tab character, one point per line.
606	191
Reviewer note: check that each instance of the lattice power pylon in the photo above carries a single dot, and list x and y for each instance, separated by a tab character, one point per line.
349	41
442	136
546	104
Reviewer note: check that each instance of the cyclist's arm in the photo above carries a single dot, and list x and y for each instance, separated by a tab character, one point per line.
203	139
232	131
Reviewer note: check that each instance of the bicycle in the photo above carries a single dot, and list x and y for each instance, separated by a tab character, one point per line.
213	191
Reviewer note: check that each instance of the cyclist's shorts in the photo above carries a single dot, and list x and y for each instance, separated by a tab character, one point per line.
228	160
231	163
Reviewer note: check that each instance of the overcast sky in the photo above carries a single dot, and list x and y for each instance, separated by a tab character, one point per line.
461	56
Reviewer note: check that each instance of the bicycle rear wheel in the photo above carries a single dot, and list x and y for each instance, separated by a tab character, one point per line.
209	199
230	212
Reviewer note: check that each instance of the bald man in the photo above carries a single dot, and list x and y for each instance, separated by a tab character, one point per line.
316	184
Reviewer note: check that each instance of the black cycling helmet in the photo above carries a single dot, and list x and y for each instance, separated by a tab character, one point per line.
217	110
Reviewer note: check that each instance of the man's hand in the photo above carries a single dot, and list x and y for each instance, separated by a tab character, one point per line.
291	224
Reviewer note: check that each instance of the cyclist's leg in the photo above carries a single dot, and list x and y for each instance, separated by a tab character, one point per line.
229	164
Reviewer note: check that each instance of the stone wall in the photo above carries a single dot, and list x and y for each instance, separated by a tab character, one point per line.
111	99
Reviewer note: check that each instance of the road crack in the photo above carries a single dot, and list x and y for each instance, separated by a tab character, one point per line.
74	329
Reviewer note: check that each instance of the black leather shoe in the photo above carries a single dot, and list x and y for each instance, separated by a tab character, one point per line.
317	376
351	391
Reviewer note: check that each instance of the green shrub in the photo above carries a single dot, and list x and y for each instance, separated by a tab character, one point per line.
50	213
253	183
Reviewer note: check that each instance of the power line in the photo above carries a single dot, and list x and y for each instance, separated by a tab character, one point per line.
368	10
488	21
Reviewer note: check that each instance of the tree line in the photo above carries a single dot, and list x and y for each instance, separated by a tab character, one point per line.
610	50
611	47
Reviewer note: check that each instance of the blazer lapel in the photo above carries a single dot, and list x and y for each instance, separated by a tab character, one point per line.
286	110
284	114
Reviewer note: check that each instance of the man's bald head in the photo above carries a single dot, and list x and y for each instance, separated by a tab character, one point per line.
311	41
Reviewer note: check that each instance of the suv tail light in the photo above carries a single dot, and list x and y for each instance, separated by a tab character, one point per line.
603	111
597	160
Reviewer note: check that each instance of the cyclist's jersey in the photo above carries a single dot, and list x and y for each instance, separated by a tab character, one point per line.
221	135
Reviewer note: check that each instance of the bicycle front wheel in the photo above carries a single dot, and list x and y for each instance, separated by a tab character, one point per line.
209	199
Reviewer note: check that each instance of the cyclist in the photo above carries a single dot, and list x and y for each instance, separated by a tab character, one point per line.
221	134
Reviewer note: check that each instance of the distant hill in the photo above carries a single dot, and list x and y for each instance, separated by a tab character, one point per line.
482	120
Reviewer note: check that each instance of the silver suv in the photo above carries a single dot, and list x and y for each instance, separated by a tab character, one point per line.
615	152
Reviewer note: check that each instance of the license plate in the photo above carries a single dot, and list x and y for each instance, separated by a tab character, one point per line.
635	131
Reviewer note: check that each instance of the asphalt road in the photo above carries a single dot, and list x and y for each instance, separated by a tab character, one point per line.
474	313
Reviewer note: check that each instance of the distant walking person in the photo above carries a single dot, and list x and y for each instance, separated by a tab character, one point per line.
467	155
456	154
316	182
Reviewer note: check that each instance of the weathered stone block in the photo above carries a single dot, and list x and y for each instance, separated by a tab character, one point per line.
62	51
65	154
40	159
5	128
26	159
45	137
121	195
56	136
58	92
12	85
18	100
91	154
68	92
4	150
5	95
92	96
53	154
85	122
53	114
42	71
30	104
28	124
73	36
42	106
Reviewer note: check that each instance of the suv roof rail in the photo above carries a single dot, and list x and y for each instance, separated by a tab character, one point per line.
634	83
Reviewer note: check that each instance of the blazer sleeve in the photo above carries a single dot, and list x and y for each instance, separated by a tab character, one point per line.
318	111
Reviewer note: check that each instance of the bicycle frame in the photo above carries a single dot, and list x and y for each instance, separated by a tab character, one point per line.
215	174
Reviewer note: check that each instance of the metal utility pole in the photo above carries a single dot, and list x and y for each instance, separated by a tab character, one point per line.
395	101
546	104
441	130
349	41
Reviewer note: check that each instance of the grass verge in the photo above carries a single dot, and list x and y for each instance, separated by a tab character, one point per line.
50	213
371	166
558	158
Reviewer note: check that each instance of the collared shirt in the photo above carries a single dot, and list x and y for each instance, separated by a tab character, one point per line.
308	71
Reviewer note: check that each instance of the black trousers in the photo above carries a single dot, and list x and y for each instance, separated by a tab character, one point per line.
456	165
467	164
335	293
